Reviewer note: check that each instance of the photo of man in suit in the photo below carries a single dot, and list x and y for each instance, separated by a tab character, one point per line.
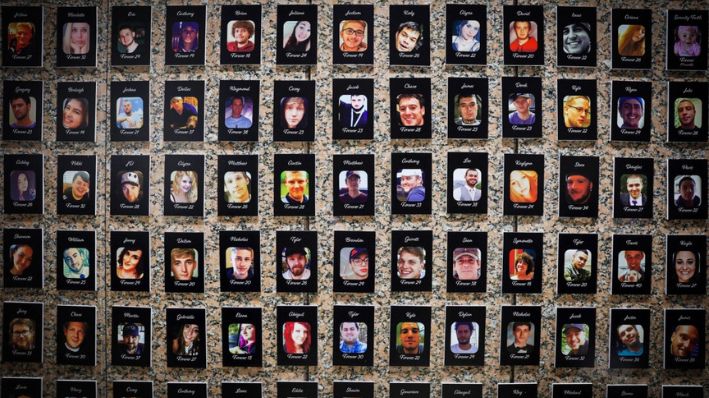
469	192
635	185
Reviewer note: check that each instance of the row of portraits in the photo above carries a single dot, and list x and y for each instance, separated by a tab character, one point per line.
410	35
410	338
353	111
354	262
353	185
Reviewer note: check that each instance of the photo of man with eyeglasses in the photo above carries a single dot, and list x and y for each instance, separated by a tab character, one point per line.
358	264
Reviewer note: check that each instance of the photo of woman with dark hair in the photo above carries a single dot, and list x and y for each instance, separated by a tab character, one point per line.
21	258
631	42
130	262
296	337
187	340
686	267
294	113
242	338
523	267
22	186
75	114
467	36
299	38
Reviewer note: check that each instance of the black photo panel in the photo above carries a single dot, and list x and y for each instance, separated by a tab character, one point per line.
684	338
238	110
410	35
352	108
409	335
21	386
466	34
22	107
454	390
294	185
184	262
131	329
467	107
633	187
632	264
631	38
415	389
76	36
24	251
76	111
411	183
467	262
76	184
353	185
687	119
130	111
296	261
523	28
184	110
631	103
74	388
296	389
521	107
581	390
522	262
186	337
465	336
578	186
576	43
23	327
410	109
353	335
519	335
629	338
577	263
353	34
524	185
240	35
240	261
467	182
237	185
130	261
297	34
184	185
353	389
577	109
411	261
131	29
297	335
242	337
24	183
627	390
294	103
130	185
76	335
686	189
132	388
686	43
76	260
575	337
354	262
686	264
242	389
22	34
185	33
186	389
684	391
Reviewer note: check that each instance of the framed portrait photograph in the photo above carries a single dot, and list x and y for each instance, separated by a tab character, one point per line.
84	388
24	183
241	337
686	39
632	264
521	107
184	262
577	263
353	34
130	185
297	261
294	185
130	111
22	35
686	262
294	101
76	111
466	34
578	186
523	29
520	335
238	110
410	100
353	189
24	251
577	107
630	111
22	107
23	327
130	261
76	37
576	42
354	262
686	189
186	337
524	185
297	34
687	119
184	185
411	183
240	34
412	261
21	386
468	108
465	336
240	261
191	389
576	337
354	344
633	187
76	184
684	338
631	38
627	390
466	262
184	110
409	35
353	109
354	389
467	182
304	389
297	331
522	262
185	33
76	260
242	389
131	29
76	335
629	338
237	185
409	335
131	328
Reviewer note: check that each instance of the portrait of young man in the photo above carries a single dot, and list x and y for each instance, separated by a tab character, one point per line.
632	113
468	106
631	266
184	264
409	338
411	108
466	336
579	188
234	117
241	261
409	35
575	339
358	264
296	263
578	270
296	186
353	194
466	263
350	342
353	110
76	335
411	262
521	332
470	191
410	187
242	31
23	114
522	36
522	115
22	331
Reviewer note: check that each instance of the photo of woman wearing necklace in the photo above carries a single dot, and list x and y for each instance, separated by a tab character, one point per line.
184	187
466	37
296	36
